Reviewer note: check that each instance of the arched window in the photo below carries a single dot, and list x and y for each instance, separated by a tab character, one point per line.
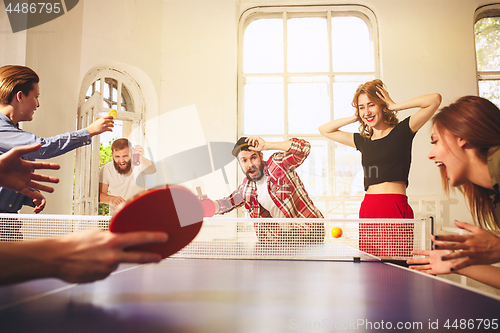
104	89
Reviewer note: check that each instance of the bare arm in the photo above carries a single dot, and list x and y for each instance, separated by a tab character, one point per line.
294	151
258	144
428	105
147	166
486	274
80	257
332	131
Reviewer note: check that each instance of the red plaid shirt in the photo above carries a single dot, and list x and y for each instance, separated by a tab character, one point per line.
285	188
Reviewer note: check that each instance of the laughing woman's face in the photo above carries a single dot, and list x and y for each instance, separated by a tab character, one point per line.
449	155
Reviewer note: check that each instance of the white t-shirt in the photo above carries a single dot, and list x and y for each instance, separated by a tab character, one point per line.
265	199
123	185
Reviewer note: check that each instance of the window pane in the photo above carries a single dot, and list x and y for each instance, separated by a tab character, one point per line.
126	100
348	171
307	40
314	171
90	91
106	92
263	46
114	94
352	46
490	90
487	33
263	107
108	137
308	106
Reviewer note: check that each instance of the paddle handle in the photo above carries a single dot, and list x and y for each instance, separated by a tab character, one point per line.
198	189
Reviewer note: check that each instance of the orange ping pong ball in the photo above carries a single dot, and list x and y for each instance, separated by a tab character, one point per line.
336	232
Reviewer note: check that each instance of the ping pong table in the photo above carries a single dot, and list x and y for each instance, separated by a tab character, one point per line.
225	281
249	295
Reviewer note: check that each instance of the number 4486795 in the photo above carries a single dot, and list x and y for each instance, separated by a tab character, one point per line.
472	324
34	8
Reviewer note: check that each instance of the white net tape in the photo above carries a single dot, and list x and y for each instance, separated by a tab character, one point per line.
242	238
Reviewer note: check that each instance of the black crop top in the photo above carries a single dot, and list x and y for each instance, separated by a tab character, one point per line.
387	159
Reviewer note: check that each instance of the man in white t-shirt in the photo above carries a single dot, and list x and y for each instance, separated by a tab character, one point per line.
119	179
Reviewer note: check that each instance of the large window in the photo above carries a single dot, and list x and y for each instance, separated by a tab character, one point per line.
298	69
487	38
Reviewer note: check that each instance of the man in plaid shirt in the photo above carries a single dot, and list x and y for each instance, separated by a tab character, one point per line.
272	188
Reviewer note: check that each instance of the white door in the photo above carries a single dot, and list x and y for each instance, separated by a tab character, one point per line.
87	162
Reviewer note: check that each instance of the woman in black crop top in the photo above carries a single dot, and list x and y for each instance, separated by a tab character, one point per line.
385	145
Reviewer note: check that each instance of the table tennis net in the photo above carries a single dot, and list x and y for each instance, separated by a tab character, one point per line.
245	238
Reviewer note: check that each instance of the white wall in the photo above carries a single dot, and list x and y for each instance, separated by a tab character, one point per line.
53	51
13	46
199	68
188	49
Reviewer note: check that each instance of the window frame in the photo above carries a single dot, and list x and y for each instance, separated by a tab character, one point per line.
491	10
87	158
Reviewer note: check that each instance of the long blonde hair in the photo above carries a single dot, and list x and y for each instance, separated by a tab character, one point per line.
370	88
477	121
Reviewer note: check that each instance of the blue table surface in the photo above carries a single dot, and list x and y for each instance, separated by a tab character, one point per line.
224	295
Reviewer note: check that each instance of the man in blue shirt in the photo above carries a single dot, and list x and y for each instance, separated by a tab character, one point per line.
19	93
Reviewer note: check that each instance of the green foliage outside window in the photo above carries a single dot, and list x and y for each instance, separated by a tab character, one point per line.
104	158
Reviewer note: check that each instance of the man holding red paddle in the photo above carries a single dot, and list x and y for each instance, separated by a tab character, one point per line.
78	257
272	188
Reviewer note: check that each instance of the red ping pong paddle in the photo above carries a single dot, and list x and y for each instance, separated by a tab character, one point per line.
207	204
174	210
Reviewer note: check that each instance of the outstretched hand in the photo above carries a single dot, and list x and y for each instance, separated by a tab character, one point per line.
480	248
101	125
17	174
433	263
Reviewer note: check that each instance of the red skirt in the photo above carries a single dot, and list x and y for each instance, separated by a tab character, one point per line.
393	240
